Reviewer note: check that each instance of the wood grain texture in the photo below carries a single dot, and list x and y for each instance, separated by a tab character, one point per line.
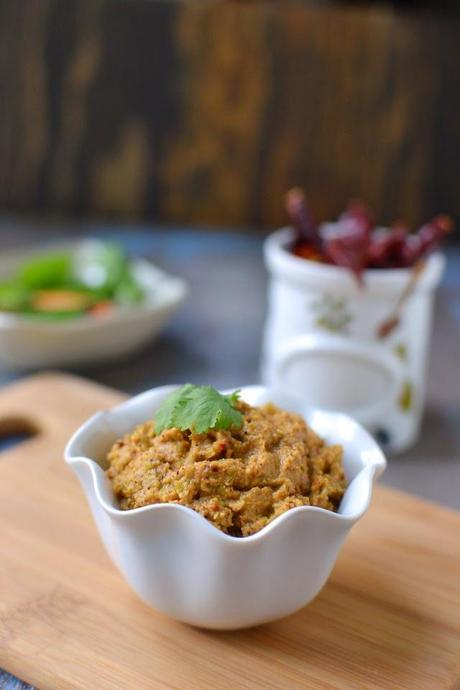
207	112
388	618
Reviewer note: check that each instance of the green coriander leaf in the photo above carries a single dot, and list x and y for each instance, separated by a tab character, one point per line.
199	409
233	398
165	415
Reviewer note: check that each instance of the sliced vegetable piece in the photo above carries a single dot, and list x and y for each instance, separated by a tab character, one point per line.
100	266
60	301
13	297
46	271
128	291
102	308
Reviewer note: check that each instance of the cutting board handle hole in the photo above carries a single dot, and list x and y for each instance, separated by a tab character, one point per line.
15	430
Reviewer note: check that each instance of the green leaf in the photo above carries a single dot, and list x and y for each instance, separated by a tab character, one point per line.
100	266
104	268
165	415
13	297
198	409
233	398
128	290
48	271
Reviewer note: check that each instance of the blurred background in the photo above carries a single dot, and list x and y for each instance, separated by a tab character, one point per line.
206	112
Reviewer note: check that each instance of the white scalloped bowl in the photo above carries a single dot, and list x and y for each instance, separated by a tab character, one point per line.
180	564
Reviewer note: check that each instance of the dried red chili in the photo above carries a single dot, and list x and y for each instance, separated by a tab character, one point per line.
355	243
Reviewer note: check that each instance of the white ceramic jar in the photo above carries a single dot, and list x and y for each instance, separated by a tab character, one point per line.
322	340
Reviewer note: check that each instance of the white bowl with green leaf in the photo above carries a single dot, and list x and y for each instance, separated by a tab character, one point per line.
181	564
79	302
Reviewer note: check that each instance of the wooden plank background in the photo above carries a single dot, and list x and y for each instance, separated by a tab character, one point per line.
206	112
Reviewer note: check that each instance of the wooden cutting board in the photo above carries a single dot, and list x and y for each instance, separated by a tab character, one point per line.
388	618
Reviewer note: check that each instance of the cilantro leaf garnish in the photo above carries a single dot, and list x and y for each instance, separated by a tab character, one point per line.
198	409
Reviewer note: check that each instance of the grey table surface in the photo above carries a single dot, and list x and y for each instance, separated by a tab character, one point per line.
215	338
